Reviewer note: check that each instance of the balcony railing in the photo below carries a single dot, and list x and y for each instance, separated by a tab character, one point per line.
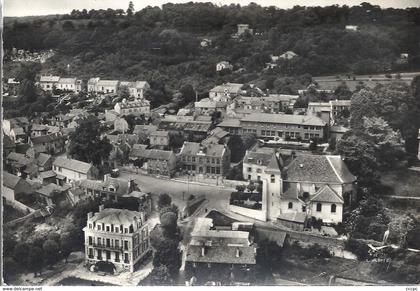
110	247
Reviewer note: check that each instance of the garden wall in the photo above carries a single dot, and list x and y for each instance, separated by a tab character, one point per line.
252	213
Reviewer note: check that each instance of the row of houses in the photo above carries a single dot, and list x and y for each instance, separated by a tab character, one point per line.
97	85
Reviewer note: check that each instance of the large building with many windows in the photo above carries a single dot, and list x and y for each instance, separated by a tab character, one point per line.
212	160
117	236
295	127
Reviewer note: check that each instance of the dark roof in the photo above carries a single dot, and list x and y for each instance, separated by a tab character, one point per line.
10	180
319	168
275	164
158	154
326	194
222	255
45	138
17	158
50	190
43	158
284	119
290	191
119	186
260	156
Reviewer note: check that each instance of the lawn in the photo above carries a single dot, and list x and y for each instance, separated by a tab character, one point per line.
402	182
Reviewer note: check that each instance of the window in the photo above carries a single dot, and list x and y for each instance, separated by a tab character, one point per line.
90	240
126	245
303	208
107	228
259	171
117	256
272	179
99	227
318	207
108	242
290	205
117	243
249	169
99	241
333	208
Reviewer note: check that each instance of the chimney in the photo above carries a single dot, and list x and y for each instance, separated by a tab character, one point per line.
238	252
101	207
203	251
90	215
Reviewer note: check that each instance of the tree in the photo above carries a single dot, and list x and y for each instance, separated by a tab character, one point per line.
342	92
123	92
20	254
66	245
164	200
388	144
86	143
168	254
360	157
188	94
36	259
160	276
362	105
130	10
399	229
51	251
10	268
27	91
251	187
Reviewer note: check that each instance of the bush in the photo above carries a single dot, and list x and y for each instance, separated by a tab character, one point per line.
358	248
316	251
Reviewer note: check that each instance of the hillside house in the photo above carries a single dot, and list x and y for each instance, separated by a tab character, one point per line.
70	170
223	65
13	185
47	83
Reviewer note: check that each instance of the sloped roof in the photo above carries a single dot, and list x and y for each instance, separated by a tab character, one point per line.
193	148
291	191
228	87
160	133
260	156
43	158
8	142
158	154
284	119
319	168
230	123
50	189
36	126
45	138
10	180
119	185
145	128
116	216
49	79
222	255
108	83
47	174
275	164
73	164
18	158
326	194
67	81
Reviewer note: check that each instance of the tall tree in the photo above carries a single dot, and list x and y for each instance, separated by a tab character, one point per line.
363	104
86	143
130	10
35	259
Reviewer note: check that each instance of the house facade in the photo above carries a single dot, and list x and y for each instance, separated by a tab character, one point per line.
212	160
13	185
118	236
47	83
136	88
225	92
70	170
138	107
51	143
255	162
294	127
159	138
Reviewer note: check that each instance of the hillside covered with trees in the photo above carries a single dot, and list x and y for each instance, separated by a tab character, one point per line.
162	45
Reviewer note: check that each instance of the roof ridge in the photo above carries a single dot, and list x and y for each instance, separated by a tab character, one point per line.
332	166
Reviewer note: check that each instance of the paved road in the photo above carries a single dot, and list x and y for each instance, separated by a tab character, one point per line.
216	197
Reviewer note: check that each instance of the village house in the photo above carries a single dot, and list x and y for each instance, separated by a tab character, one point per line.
146	129
109	189
39	130
207	107
69	170
11	86
329	111
47	83
60	120
8	145
17	163
107	86
51	194
159	138
197	129
223	65
288	55
16	128
220	255
225	92
205	161
118	236
14	185
136	88
242	29
159	162
294	127
138	107
50	144
67	84
217	136
255	162
92	84
351	27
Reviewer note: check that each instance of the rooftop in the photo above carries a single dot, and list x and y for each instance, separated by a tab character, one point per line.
73	164
193	148
116	216
284	119
319	168
10	180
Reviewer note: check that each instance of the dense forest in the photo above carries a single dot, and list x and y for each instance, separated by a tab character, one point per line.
162	45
